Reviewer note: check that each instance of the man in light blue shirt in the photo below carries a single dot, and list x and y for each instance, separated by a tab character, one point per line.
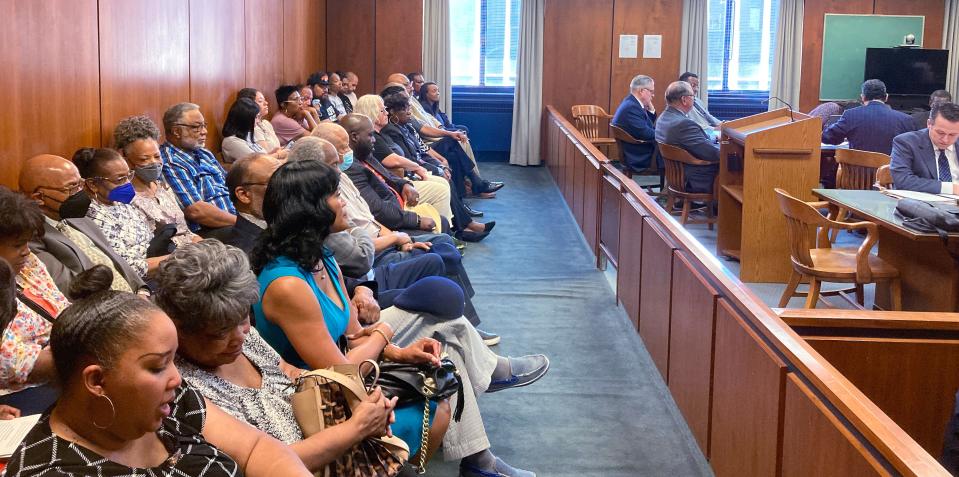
699	114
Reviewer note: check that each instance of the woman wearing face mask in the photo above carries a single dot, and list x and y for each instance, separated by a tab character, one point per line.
106	179
137	138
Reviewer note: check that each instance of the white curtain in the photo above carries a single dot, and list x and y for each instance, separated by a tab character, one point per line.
528	96
787	60
692	52
436	50
950	41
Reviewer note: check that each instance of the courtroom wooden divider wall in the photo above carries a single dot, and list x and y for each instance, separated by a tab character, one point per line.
759	400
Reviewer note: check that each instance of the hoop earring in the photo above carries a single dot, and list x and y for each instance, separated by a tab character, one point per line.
113	413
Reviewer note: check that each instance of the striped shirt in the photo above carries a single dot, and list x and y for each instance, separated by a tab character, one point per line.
195	177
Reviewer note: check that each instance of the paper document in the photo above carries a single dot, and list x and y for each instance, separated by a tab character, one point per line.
652	46
923	196
13	431
628	46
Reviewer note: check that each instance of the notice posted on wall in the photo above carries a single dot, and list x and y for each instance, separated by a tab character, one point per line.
628	46
652	46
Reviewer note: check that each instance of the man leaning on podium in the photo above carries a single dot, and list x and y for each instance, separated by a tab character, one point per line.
925	160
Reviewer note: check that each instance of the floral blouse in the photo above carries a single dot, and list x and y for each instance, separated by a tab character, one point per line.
164	209
127	230
28	332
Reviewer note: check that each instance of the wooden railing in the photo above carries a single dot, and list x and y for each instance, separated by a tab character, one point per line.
757	397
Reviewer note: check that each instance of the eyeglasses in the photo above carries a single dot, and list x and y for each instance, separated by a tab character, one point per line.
293	100
248	184
68	189
193	127
118	181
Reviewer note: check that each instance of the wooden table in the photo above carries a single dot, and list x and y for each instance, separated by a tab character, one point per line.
928	267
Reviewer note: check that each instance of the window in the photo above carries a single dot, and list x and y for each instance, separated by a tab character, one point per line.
484	41
741	41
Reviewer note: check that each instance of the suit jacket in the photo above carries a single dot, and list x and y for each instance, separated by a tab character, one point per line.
914	164
242	235
383	203
920	120
673	127
64	259
869	128
633	118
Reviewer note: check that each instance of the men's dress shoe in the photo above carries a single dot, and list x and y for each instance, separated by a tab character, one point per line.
523	379
483	195
489	339
493	186
473	212
500	469
470	236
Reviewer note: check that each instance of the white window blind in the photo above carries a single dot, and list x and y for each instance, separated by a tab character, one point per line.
484	38
741	42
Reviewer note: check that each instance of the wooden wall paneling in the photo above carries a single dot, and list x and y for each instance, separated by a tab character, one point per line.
580	164
592	180
904	377
609	209
351	40
650	18
569	164
692	326
628	278
217	60
654	297
304	38
399	39
933	10
576	46
815	442
51	86
263	28
144	59
748	395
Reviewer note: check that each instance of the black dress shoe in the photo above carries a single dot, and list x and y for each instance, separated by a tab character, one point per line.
470	236
473	212
493	186
488	226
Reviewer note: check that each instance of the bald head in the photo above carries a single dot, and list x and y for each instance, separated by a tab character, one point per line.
48	179
334	134
402	80
247	181
679	94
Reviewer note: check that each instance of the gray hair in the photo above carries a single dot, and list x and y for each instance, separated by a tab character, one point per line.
206	287
172	115
677	90
369	105
309	148
640	81
132	129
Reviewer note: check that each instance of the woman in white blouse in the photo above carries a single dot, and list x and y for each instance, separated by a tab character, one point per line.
263	133
238	133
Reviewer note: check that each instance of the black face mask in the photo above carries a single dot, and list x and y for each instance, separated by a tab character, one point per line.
75	206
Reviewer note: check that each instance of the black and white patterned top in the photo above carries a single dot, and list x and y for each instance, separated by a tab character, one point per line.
267	408
44	454
126	228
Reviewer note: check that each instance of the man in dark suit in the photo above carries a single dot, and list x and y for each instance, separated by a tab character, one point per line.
920	119
675	128
71	242
637	116
925	160
872	126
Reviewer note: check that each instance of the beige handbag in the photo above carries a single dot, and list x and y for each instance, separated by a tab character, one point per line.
327	397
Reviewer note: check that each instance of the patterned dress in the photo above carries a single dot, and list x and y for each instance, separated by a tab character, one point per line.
29	332
266	408
43	453
164	209
127	230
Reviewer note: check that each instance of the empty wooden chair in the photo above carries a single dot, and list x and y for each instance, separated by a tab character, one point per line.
884	177
814	259
675	159
587	118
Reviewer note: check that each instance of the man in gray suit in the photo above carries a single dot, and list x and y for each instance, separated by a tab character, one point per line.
71	243
925	160
675	128
699	114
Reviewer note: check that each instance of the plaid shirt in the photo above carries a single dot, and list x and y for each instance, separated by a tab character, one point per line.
195	178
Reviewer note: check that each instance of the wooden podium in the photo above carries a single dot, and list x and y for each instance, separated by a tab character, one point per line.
757	154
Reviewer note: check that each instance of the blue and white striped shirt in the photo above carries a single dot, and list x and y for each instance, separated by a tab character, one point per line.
195	177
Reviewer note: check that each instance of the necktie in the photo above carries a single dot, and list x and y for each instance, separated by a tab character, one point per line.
945	175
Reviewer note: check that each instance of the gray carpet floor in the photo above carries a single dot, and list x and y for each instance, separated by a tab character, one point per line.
603	409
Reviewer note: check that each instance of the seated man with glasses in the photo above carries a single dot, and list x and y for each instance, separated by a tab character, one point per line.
193	172
637	116
71	242
674	127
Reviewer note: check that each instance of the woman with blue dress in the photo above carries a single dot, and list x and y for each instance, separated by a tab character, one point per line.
304	312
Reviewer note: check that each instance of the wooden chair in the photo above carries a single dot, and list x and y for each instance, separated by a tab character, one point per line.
623	137
857	171
675	159
587	118
884	177
814	258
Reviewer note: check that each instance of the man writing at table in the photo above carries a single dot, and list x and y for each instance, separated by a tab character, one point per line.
925	160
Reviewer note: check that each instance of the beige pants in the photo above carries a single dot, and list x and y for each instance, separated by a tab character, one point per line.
436	192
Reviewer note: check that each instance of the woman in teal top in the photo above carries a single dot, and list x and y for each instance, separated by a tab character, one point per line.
304	311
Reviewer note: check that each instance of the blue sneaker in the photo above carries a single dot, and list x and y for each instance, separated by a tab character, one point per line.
535	367
500	469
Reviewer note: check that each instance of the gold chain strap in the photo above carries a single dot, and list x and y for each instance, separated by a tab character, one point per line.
425	439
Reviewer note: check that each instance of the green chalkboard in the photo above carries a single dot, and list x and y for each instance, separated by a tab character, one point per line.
845	39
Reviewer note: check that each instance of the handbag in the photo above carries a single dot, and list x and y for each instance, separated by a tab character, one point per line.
421	382
327	397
